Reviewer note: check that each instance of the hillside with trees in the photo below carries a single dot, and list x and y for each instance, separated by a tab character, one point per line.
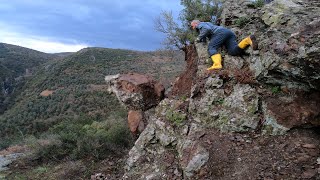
256	118
16	65
67	106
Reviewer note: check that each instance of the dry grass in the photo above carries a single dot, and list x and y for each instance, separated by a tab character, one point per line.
14	149
244	76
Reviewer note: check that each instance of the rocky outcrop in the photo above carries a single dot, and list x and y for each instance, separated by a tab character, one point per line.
168	147
297	46
6	88
287	112
288	32
5	160
184	82
138	93
270	91
236	111
46	93
136	121
285	64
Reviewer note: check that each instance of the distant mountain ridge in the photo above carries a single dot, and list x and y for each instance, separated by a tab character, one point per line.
61	100
17	63
76	86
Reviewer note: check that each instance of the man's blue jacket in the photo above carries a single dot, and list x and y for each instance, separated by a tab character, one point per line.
207	29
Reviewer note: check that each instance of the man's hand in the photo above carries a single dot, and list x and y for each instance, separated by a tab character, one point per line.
198	40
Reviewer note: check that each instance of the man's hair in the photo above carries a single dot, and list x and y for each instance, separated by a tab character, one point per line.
195	21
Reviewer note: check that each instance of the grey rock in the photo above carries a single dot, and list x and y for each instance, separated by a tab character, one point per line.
213	83
233	62
136	91
204	60
192	156
288	34
165	134
235	112
5	160
244	98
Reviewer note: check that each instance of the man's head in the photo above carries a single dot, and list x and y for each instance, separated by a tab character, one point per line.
194	23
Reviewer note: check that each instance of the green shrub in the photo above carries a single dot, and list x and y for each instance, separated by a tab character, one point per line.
5	142
176	117
242	21
275	89
85	138
40	170
258	3
219	101
184	98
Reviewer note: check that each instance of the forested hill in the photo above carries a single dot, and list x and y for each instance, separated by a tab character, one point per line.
17	59
16	64
72	88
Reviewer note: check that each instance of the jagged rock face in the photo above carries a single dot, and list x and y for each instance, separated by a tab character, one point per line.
231	100
288	57
235	111
298	48
167	149
184	82
135	121
287	112
203	58
288	33
136	91
149	159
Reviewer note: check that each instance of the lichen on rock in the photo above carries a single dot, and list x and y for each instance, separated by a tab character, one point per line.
171	146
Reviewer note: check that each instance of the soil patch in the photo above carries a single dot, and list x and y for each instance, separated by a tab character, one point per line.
243	156
28	168
182	86
303	110
46	93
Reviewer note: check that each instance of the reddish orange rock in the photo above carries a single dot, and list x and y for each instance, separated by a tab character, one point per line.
150	92
135	121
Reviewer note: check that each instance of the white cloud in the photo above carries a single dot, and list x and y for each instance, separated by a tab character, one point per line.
55	26
42	44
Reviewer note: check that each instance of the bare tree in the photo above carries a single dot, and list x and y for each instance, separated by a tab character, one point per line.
178	36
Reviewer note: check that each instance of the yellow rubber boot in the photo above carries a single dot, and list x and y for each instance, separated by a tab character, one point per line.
216	62
250	40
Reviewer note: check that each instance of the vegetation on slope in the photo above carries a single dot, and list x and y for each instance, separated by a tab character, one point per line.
79	119
16	64
18	59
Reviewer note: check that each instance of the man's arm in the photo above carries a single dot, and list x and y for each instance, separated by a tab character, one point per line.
204	32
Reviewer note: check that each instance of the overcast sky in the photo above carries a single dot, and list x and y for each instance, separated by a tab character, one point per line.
70	25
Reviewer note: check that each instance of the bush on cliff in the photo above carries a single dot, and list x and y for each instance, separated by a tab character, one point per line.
83	137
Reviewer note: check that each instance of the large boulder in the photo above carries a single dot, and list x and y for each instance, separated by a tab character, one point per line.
168	147
287	112
293	41
288	33
228	111
136	91
136	121
286	63
268	91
